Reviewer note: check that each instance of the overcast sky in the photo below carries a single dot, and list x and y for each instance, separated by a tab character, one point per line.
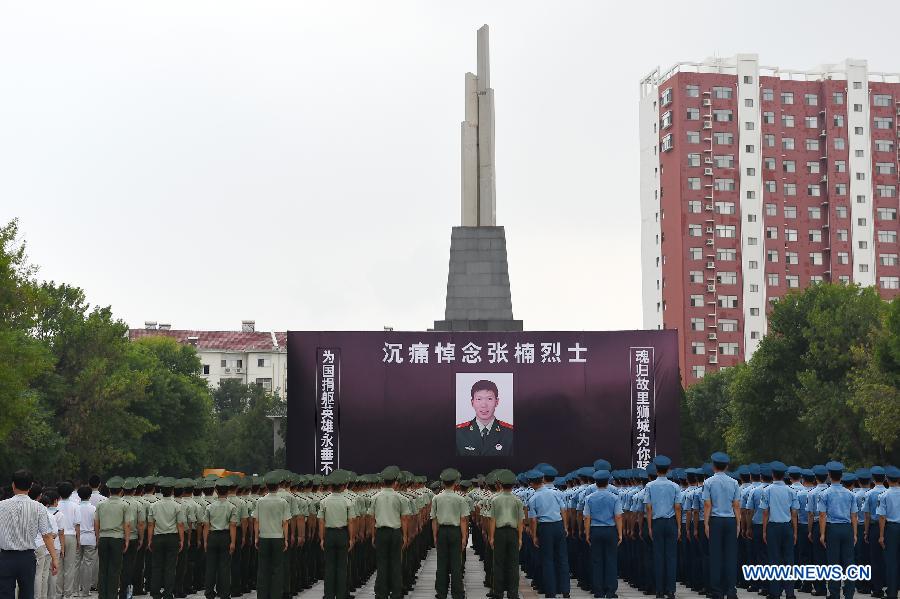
297	163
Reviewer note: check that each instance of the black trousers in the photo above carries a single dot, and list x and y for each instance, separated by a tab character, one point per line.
336	544
164	560
604	560
449	562
109	559
17	567
218	564
506	561
129	561
270	575
389	577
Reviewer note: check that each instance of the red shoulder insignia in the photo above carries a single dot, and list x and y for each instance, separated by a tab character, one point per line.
463	424
505	424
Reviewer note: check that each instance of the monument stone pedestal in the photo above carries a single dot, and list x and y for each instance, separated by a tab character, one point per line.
478	293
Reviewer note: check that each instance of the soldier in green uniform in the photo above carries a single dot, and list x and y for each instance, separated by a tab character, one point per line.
449	525
485	434
504	531
136	537
194	513
220	520
112	522
243	491
178	494
337	534
388	510
244	519
271	531
208	487
142	564
166	539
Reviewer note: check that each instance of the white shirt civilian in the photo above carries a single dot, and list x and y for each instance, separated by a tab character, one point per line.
96	498
88	512
21	520
58	524
70	507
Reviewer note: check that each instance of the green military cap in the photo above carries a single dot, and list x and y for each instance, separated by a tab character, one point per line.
339	477
273	478
130	483
149	480
198	483
465	484
450	475
211	476
187	483
223	483
208	484
506	477
390	474
257	481
244	483
115	483
166	482
435	485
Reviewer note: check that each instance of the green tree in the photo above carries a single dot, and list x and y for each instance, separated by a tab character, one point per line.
244	442
706	416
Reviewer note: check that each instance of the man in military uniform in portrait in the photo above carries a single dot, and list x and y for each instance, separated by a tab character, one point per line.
484	434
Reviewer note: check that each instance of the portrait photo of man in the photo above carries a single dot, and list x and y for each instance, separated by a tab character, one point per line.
485	434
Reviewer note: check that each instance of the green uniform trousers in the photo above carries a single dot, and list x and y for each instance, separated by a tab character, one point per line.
218	564
449	562
389	577
337	543
270	572
109	551
129	559
164	560
506	561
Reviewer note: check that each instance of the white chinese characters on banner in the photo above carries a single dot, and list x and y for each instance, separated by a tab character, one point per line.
643	400
327	406
495	352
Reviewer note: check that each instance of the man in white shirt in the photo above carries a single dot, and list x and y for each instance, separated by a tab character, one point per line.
87	549
21	520
68	505
96	497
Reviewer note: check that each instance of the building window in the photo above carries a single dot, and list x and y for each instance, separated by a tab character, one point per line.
789	166
811	99
751	218
724	161
724	207
837	97
754	311
863	268
692	91
696	253
726	278
787	120
728	349
887	214
883	123
666	143
841	211
838	120
728	301
863	245
693	159
224	363
792	281
813	167
888	259
697	324
723	139
787	143
754	334
858	130
727	325
698	347
811	122
722	93
768	118
726	254
771	210
787	97
751	172
261	363
693	137
696	276
886	191
770	186
748	79
726	231
693	114
885	168
790	212
771	232
815	235
697	301
723	116
698	371
812	144
887	236
666	98
769	164
840	143
842	234
751	241
884	145
265	384
239	363
768	95
724	184
840	189
753	265
769	140
693	183
844	279
790	234
790	189
843	258
881	100
772	256
791	258
749	125
889	282
205	369
815	258
772	279
814	212
694	206
695	231
840	166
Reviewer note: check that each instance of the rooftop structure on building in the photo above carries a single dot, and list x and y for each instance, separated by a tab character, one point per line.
758	180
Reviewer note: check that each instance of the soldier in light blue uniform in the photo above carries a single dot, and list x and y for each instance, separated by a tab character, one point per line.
819	557
603	520
662	499
870	524
888	512
779	504
804	547
549	530
837	520
754	507
721	502
861	550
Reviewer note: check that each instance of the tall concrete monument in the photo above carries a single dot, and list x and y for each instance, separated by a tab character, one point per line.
478	293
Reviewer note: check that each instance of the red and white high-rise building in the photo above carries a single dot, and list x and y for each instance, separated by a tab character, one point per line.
757	180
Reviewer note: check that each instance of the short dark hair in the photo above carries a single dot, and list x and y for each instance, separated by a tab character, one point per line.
721	466
485	385
84	493
49	496
65	489
662	469
94	481
35	491
22	479
272	486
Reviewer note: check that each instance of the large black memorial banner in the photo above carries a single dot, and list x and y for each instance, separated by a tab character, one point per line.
477	401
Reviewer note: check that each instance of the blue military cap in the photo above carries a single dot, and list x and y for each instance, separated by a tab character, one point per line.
849	478
721	457
547	470
892	472
586	471
877	470
534	475
601	474
743	470
754	470
793	470
651	469
559	482
808	474
707	469
863	474
733	476
765	470
640	473
602	464
521	478
820	470
778	467
662	461
834	467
